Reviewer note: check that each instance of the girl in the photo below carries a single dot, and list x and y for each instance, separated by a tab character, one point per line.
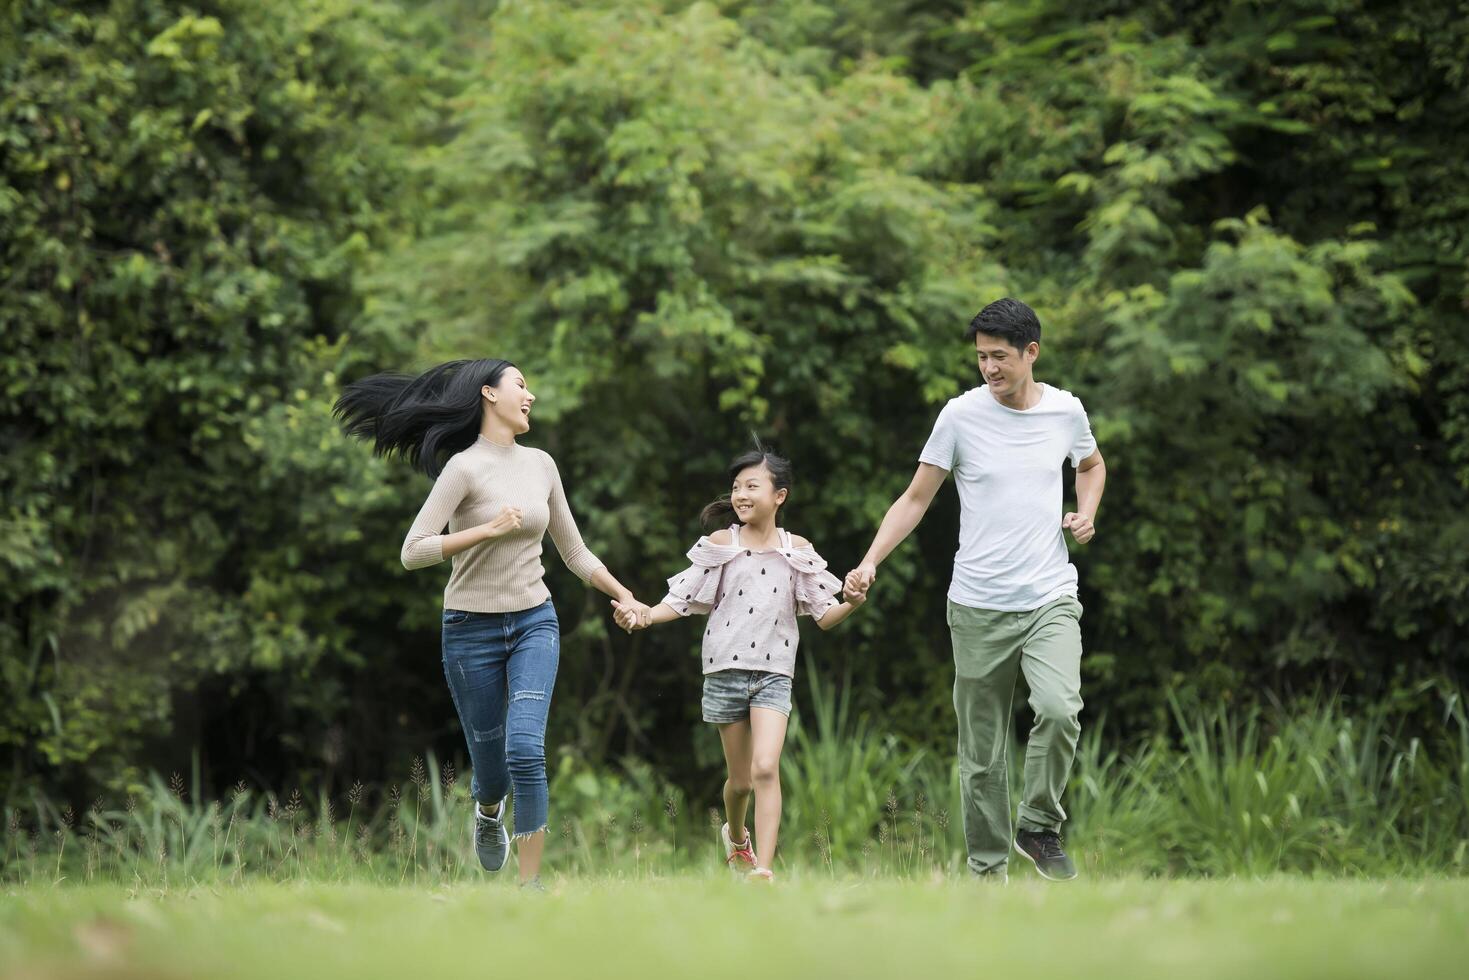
753	579
501	640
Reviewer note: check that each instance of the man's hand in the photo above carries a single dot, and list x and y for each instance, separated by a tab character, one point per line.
859	580
1080	526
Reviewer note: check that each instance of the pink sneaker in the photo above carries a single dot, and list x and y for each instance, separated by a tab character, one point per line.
739	856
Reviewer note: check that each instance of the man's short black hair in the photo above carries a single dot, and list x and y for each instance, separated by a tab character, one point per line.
1010	320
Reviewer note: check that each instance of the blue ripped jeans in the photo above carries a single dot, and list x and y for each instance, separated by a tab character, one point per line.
501	668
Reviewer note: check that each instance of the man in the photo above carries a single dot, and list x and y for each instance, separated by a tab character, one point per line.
1012	600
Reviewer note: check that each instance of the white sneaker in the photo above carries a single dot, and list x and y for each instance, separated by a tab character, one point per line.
739	856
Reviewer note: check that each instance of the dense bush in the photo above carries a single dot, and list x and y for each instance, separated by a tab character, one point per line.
187	197
1243	226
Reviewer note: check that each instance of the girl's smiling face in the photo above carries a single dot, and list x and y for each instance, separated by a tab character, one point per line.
754	496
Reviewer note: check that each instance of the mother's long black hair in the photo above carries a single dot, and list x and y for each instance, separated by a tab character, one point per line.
424	419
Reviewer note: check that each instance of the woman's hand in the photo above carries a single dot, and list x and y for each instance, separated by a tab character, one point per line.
631	615
509	520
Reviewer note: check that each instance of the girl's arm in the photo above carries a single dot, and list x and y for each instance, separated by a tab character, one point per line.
840	611
633	615
834	614
661	613
626	615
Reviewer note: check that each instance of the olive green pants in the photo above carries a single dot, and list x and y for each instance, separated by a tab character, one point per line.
989	647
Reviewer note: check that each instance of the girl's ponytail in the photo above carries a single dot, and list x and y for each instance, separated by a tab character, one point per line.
717	514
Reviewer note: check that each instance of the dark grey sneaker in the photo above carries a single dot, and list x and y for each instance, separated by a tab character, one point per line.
533	886
491	843
1044	850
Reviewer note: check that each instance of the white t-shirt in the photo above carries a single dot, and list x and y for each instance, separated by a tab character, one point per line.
1007	466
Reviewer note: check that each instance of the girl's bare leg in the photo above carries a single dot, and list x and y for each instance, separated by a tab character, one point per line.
767	738
735	738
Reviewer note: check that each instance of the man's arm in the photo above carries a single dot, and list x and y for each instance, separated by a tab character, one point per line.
1091	479
902	517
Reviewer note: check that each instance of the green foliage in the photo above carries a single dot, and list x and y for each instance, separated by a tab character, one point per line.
1242	225
1245	504
187	198
681	240
1220	793
1257	792
1226	207
699	230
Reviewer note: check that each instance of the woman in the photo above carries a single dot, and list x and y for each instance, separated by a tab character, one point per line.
501	641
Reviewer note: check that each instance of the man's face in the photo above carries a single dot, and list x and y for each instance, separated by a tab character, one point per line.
1004	368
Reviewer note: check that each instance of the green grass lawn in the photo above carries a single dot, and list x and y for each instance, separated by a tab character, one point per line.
708	927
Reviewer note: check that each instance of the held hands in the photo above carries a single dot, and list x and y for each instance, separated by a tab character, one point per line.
631	615
509	520
858	581
1080	526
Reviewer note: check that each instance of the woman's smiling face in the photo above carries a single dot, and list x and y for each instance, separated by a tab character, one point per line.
512	400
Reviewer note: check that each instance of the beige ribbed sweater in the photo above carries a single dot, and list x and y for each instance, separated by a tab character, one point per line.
502	574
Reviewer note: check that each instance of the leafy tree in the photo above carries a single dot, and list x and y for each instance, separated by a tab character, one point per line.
1242	225
187	196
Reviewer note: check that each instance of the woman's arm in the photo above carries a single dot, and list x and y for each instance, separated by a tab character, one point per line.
567	538
426	544
452	544
606	583
578	557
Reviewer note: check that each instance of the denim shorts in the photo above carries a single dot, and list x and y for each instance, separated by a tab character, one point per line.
730	694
